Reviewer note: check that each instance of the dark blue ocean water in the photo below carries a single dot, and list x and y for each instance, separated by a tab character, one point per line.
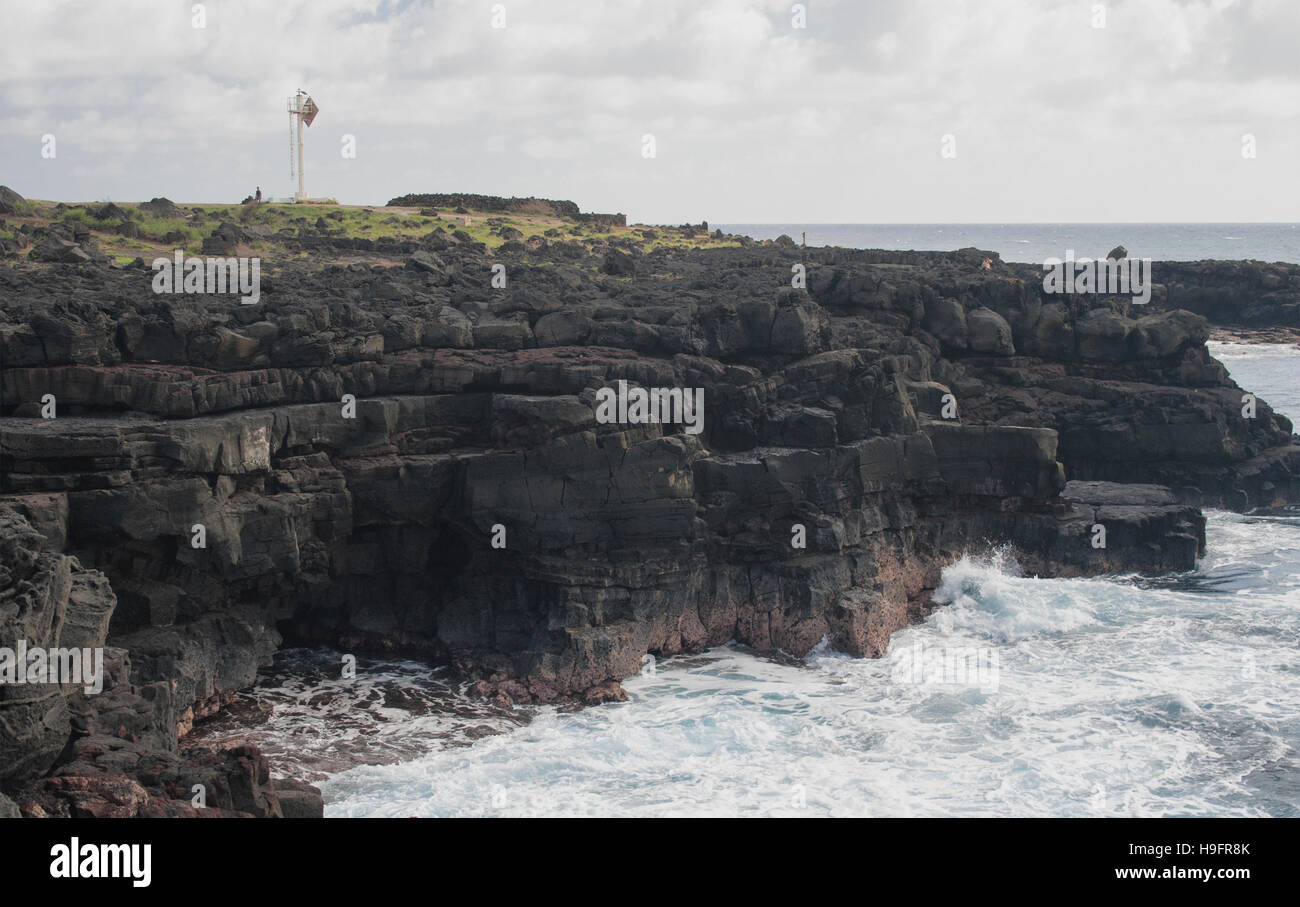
1036	242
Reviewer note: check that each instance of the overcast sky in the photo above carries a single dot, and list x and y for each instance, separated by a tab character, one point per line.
754	120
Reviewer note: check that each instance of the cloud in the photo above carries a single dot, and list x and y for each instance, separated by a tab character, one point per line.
754	120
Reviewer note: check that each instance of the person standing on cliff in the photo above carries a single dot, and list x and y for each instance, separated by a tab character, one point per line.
259	195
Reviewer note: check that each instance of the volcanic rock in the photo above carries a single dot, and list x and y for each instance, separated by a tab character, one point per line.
412	460
10	201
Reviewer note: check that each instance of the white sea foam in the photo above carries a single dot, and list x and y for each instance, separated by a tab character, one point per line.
1172	697
1120	696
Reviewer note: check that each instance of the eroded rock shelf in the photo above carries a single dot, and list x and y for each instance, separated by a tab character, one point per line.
824	421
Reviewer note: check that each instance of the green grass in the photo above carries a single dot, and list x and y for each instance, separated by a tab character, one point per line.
161	226
374	223
25	209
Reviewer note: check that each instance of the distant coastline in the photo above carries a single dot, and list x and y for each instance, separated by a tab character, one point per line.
1035	242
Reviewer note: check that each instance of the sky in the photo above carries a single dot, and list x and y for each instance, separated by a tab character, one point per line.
830	111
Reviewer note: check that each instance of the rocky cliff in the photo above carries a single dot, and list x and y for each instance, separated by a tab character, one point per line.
392	451
495	204
1252	295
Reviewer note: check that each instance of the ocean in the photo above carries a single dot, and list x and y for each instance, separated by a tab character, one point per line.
1176	695
1035	243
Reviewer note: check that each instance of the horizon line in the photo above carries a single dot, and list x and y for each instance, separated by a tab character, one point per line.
770	223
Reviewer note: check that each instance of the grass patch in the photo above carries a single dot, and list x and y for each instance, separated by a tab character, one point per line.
378	223
160	226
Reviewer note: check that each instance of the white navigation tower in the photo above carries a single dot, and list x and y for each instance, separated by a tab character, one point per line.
302	110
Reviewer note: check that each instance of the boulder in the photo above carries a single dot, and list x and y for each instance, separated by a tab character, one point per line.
426	262
562	329
618	263
945	318
1101	335
10	201
225	239
58	250
298	799
450	328
801	326
109	211
989	333
160	207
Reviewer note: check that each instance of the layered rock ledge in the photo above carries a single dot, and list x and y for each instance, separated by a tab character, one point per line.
860	432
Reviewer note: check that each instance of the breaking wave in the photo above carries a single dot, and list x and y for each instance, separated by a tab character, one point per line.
1119	696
